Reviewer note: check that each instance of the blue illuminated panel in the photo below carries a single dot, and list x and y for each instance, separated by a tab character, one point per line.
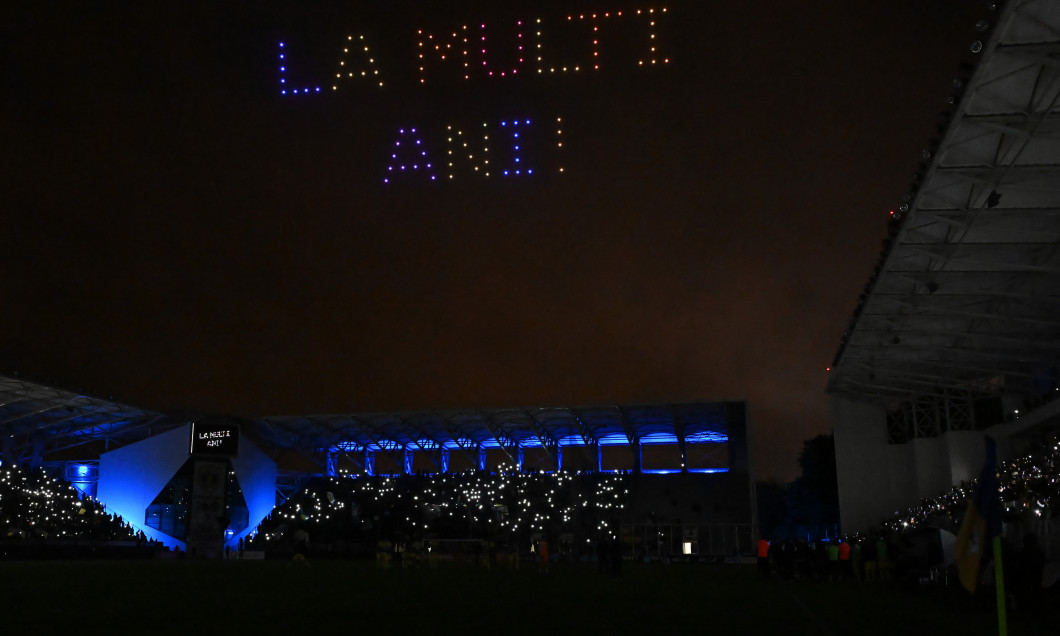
571	440
130	478
614	439
658	438
706	437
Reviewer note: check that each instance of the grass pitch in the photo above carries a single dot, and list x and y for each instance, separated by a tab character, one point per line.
276	597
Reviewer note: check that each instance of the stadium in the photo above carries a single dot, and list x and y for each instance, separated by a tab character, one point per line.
152	470
952	340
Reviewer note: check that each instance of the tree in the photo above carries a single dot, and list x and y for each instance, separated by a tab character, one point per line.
810	501
813	498
772	512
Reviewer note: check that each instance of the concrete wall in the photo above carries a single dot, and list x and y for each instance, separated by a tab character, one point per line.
931	466
256	473
862	463
901	479
876	478
132	476
967	452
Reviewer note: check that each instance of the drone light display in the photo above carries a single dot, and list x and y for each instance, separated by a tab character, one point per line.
494	148
480	51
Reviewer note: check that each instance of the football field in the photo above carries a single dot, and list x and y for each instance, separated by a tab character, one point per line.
322	596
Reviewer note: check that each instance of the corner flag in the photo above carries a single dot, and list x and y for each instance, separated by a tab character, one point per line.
982	521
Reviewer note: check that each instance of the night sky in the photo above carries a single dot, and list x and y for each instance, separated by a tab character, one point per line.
179	235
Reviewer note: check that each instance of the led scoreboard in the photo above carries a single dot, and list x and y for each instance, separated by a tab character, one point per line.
214	439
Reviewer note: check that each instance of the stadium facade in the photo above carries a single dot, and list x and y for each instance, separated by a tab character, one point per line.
957	334
199	483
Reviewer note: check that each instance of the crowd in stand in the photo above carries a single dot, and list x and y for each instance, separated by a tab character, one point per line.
912	544
515	511
510	510
38	508
1029	496
1029	489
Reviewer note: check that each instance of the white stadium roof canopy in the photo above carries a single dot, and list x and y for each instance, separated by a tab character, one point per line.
966	297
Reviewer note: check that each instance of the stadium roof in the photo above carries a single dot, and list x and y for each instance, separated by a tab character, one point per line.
37	420
547	427
966	296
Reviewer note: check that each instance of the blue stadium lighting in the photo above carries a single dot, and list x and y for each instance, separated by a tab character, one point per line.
706	437
613	439
570	440
516	446
658	438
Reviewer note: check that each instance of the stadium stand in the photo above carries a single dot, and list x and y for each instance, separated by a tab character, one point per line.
204	483
955	335
46	516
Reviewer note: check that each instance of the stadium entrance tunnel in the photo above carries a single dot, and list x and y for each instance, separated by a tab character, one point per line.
168	511
174	494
